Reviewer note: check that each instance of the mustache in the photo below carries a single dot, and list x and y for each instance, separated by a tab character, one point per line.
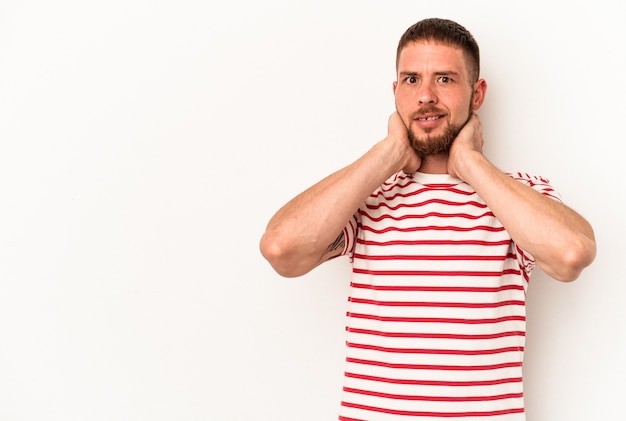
426	111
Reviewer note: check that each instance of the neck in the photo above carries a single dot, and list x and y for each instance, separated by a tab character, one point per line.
434	164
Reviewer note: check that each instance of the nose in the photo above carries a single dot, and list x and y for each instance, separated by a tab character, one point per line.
426	94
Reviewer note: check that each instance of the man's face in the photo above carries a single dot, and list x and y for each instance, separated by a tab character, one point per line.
434	95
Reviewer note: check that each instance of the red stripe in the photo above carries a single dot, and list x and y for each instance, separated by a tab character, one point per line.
435	272
427	215
436	351
434	414
428	188
435	288
435	398
424	203
435	242
435	304
436	335
435	367
435	382
434	228
429	257
437	319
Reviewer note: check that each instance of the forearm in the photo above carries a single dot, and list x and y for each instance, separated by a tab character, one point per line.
298	237
561	241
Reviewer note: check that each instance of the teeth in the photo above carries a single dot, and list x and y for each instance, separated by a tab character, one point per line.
429	118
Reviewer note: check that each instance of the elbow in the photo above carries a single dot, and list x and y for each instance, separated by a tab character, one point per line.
280	257
574	260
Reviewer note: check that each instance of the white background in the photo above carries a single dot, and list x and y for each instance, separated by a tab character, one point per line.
145	144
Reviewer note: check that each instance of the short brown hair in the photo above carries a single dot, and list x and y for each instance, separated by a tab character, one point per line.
446	32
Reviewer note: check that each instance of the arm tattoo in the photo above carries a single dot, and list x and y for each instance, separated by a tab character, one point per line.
338	244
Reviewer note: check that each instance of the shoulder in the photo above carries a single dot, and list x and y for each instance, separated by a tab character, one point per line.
536	182
528	178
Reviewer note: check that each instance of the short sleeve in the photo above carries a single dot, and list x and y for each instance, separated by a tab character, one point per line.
542	185
350	233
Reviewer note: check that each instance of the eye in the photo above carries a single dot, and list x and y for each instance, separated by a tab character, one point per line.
445	79
411	80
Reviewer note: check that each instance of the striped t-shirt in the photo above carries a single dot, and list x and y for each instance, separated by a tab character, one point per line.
436	319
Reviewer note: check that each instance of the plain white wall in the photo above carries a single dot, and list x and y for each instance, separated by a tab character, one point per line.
145	144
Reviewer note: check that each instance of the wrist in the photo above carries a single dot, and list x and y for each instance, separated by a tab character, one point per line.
465	162
400	155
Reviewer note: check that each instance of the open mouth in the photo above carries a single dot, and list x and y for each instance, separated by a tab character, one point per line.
434	117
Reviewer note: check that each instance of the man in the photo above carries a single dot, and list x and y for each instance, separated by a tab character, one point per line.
442	245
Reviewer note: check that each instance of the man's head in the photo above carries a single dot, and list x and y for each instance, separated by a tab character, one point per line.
447	32
438	86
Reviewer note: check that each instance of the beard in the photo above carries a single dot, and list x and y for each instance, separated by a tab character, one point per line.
435	144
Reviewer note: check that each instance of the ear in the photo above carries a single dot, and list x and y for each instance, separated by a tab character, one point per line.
480	90
395	85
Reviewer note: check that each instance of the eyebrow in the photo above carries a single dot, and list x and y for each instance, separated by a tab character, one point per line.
438	73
